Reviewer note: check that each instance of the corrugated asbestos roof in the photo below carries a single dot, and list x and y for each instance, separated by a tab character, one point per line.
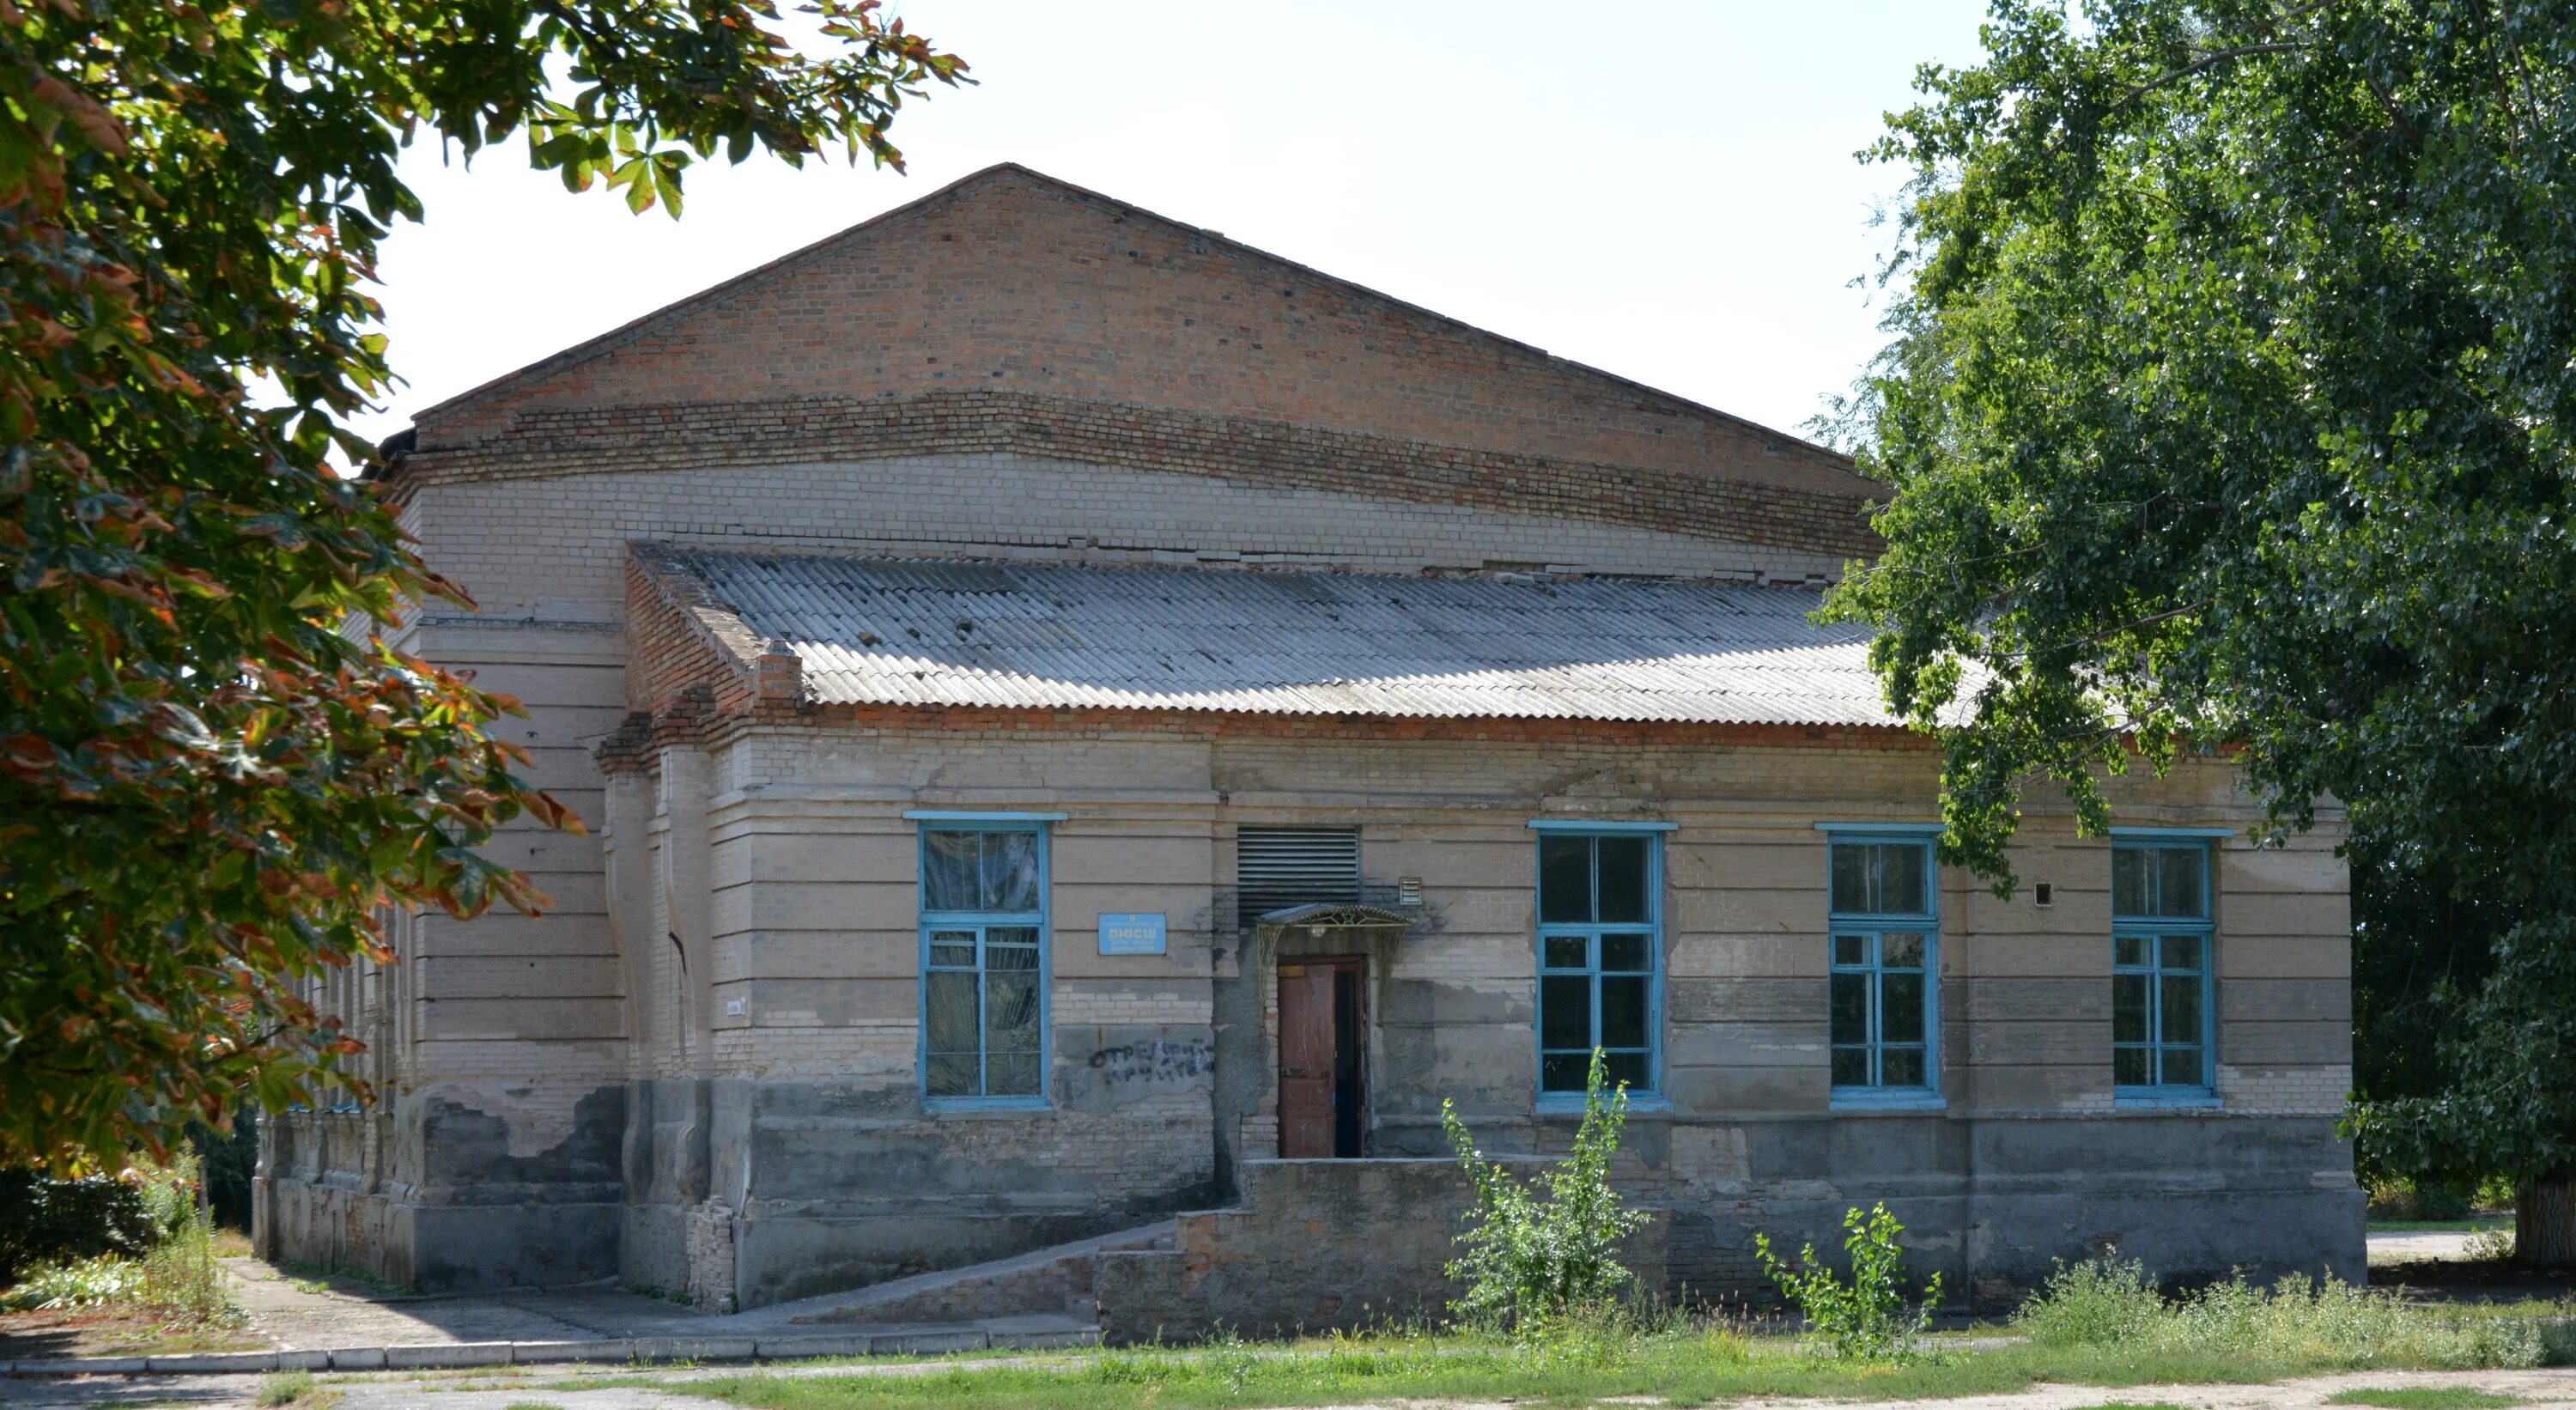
884	631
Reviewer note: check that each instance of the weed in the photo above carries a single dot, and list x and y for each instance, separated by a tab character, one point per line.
310	1287
62	1287
2492	1245
2424	1398
2109	1304
1867	1319
1538	1253
284	1388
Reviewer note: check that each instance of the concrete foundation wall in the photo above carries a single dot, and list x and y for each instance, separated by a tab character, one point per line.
1316	1245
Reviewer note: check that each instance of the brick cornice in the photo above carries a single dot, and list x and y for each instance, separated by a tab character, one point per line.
548	442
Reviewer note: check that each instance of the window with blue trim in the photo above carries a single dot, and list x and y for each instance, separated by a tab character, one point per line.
983	952
2161	938
1600	940
1883	998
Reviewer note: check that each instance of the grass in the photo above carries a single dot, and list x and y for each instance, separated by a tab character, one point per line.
2100	1325
297	1388
2441	1226
2424	1398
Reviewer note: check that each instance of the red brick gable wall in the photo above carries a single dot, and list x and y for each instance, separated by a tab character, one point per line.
1010	281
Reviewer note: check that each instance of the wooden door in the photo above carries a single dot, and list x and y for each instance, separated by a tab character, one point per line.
1319	1059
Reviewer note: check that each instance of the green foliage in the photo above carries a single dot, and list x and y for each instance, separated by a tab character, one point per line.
2099	1302
1667	1361
209	793
1865	1319
2109	1304
1534	1255
230	1160
2230	404
169	1269
49	1221
284	1388
70	1286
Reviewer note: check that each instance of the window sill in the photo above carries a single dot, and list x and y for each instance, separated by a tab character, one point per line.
1639	1103
986	1106
2165	1099
1878	1099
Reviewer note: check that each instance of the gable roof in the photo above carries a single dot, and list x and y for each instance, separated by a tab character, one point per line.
949	633
1013	280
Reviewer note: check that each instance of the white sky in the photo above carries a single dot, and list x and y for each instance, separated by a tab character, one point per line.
1665	191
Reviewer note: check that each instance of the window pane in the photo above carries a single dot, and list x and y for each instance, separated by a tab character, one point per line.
1901	949
2129	950
1568	951
1626	952
1851	949
1851	1067
1621	1067
2128	1008
1564	879
1623	1011
1565	1013
1564	1072
2181	952
2182	1009
1010	871
1851	892
1010	1013
948	871
1901	1015
1850	1008
1623	877
2130	1067
1011	1075
951	1013
2129	881
999	955
2182	1067
953	949
2178	883
1903	889
1902	1067
951	1075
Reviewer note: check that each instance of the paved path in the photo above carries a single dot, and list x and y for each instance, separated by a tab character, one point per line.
2540	1390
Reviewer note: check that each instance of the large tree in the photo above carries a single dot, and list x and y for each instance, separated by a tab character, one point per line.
211	786
2229	406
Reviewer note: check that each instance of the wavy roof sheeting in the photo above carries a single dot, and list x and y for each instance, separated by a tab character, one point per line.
884	631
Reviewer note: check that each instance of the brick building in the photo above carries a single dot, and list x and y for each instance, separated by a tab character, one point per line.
1073	710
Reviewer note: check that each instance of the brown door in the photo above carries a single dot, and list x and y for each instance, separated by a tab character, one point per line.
1319	1059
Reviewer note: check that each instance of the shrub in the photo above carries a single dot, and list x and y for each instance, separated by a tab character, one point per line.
65	1221
1537	1254
175	1274
1866	1319
2492	1245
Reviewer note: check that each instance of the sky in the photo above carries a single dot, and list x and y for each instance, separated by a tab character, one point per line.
1665	191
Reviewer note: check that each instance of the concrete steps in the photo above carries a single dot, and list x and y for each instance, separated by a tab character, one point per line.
1058	1281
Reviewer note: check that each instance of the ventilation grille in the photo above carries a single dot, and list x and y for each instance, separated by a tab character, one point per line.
1277	867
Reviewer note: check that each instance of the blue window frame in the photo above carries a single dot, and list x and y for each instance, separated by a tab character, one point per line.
2163	1020
1883	994
983	961
1600	953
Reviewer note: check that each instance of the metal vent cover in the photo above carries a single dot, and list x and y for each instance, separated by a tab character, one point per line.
1278	867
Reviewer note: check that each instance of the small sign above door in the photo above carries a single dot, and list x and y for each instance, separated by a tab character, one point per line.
1132	935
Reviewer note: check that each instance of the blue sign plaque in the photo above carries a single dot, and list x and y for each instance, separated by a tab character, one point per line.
1132	935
